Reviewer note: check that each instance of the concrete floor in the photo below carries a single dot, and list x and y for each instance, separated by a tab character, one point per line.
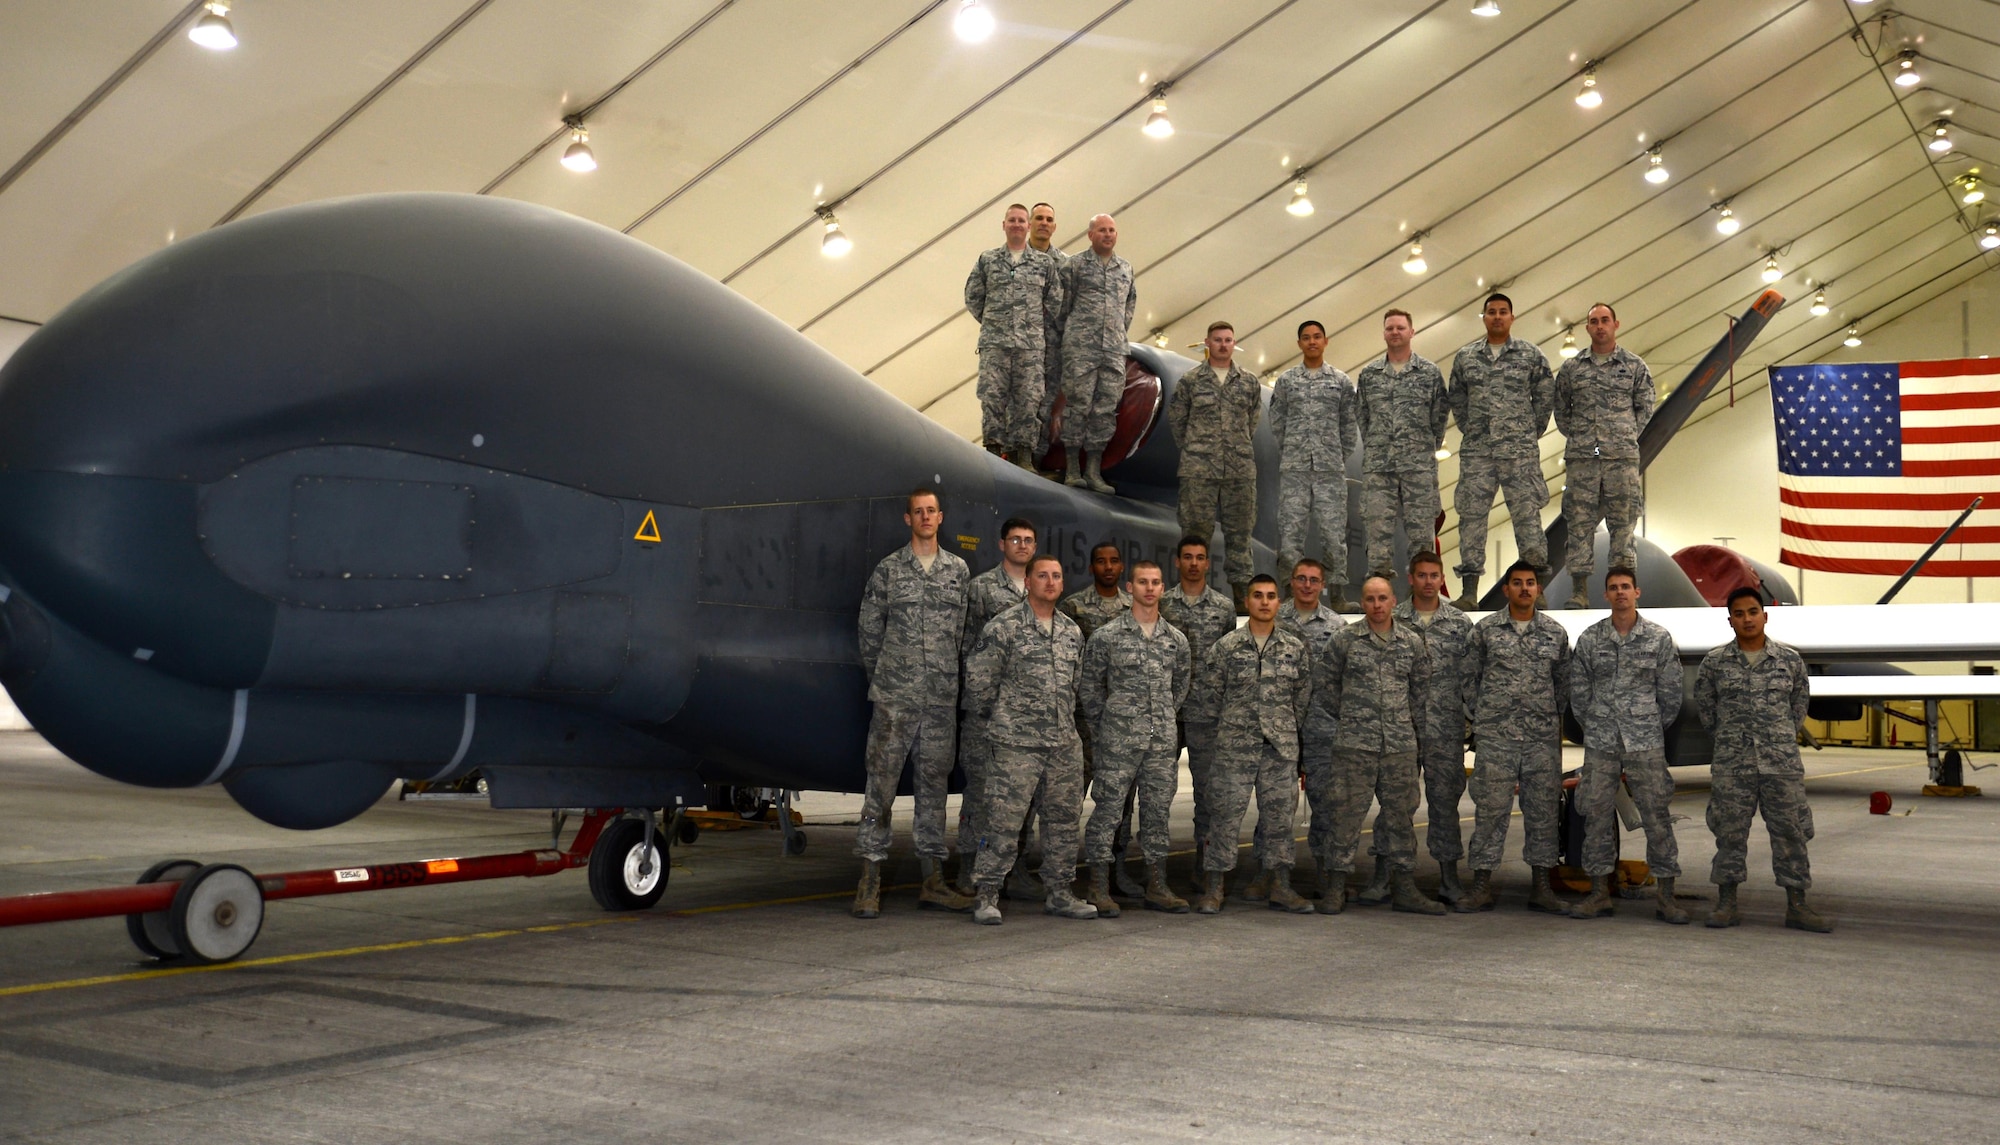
751	1007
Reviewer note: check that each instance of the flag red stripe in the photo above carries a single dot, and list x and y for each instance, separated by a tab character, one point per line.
1949	434
1969	399
1887	534
1895	502
1963	467
1887	568
1948	368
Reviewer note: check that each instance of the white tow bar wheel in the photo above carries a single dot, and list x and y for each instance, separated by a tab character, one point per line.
150	932
217	913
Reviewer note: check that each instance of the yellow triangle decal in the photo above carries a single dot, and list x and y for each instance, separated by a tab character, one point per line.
649	529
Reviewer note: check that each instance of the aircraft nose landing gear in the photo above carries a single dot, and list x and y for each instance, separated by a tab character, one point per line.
628	864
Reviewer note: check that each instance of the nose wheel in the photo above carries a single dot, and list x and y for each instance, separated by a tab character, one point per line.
628	865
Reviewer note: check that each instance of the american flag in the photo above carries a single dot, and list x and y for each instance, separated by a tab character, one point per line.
1875	460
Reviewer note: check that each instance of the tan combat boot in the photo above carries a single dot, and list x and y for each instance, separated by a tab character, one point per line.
965	864
1209	901
1404	896
1542	896
934	895
1377	891
1598	903
986	911
1282	896
1725	912
1099	893
1336	597
1450	890
1579	597
1063	904
1159	896
1667	909
1073	469
868	892
1332	892
1799	916
1024	456
1257	890
1093	475
1480	897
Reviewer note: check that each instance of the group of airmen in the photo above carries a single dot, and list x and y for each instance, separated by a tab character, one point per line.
1053	323
1004	675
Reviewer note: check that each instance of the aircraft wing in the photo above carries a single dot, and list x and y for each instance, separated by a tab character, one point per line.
1825	633
1905	687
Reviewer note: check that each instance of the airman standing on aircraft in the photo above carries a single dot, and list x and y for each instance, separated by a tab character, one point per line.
1515	683
1306	616
1258	681
1402	409
1375	680
1603	401
912	618
1100	296
986	596
1041	237
1101	600
1213	413
1625	688
1014	293
1315	423
1501	395
1022	678
1447	634
1204	615
1136	673
1751	696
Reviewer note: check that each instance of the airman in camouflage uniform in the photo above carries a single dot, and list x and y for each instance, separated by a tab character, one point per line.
1306	616
1041	236
1258	681
1751	696
1317	428
1100	296
1403	411
1501	395
1213	413
1014	293
1515	682
912	617
1092	610
1375	680
1022	678
1604	398
1204	615
1447	634
986	596
1625	688
1132	686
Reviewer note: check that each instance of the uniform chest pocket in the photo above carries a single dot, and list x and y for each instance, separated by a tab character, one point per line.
1285	669
1775	690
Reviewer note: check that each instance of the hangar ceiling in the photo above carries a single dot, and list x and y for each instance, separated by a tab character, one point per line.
720	125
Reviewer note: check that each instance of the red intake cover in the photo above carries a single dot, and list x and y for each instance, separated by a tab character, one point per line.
1138	410
1717	571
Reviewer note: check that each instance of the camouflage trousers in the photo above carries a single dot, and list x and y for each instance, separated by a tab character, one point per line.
1309	501
1051	386
1361	777
1443	771
1521	480
1389	499
1199	739
1238	774
1498	770
1733	797
1316	776
1155	769
1010	394
975	754
924	739
1205	501
1651	786
1015	778
1090	404
1607	490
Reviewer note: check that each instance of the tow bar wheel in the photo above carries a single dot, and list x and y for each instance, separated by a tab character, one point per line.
627	872
150	932
217	913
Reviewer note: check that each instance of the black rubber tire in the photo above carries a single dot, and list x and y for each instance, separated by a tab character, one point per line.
150	932
795	843
688	831
217	913
613	867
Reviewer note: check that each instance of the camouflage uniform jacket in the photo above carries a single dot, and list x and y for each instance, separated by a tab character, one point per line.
1602	409
1753	714
1515	683
1013	302
1402	414
986	596
1091	611
1314	420
1213	419
1257	694
1625	692
1206	620
910	626
1315	630
1502	404
1132	684
1023	680
1376	685
1446	640
1052	322
1098	301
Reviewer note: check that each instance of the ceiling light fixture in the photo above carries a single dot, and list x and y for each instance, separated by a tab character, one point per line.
1415	264
1771	271
577	156
1300	204
1906	68
973	23
213	31
1589	96
1940	137
1853	338
1819	306
835	244
1656	171
1486	7
1569	349
1989	239
1727	223
1974	193
1157	124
